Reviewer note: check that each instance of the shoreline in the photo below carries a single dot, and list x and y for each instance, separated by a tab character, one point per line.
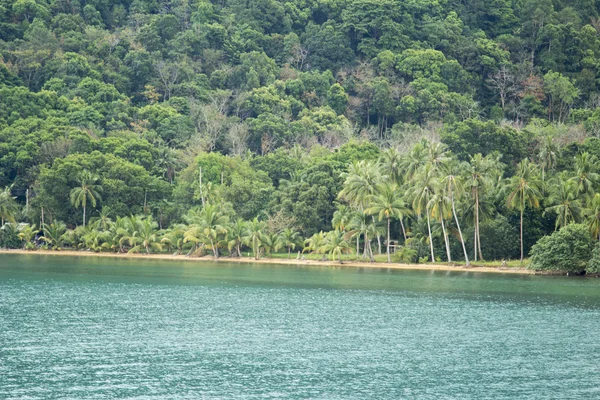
276	261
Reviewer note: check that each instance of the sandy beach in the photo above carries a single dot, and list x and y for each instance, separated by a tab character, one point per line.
277	261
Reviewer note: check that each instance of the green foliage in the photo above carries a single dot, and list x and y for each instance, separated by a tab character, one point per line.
568	250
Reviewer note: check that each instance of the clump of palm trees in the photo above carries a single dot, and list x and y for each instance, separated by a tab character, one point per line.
411	206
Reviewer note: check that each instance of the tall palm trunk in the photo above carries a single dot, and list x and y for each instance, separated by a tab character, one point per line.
430	238
462	241
446	241
522	207
84	215
357	245
403	230
389	259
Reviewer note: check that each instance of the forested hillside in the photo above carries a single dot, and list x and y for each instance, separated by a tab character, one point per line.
450	127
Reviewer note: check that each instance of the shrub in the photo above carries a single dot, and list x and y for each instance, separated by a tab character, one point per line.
593	266
9	237
568	250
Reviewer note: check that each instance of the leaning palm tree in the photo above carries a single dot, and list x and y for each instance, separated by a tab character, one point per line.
565	204
454	189
8	206
439	206
524	189
289	239
362	225
88	191
335	244
387	204
54	234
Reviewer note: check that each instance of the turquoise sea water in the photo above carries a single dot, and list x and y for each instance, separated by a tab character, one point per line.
86	328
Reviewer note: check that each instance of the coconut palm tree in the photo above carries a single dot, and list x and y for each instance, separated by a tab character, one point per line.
315	243
210	227
453	189
270	243
524	189
27	233
102	221
585	173
439	206
88	191
174	238
424	185
235	236
253	237
387	204
289	239
335	244
481	173
145	237
565	204
54	234
362	225
8	206
548	153
391	165
593	215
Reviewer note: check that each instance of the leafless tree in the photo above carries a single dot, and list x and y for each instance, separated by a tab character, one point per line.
503	82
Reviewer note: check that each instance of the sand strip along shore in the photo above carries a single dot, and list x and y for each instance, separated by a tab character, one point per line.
276	261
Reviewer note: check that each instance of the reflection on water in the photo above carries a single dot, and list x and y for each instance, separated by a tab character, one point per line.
109	328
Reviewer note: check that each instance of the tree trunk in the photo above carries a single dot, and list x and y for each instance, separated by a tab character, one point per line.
475	243
357	245
403	230
446	241
522	207
84	216
289	252
388	241
430	238
462	241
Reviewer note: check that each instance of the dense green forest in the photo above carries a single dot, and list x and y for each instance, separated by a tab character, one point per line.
448	129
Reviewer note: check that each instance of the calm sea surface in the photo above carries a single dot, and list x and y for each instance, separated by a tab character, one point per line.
85	328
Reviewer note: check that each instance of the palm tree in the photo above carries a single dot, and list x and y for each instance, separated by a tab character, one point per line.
453	188
439	206
289	239
95	239
235	235
524	189
565	204
335	245
361	224
391	165
315	243
424	185
548	154
27	234
54	234
360	182
174	238
102	221
211	227
8	206
585	175
388	204
270	242
593	213
480	172
88	191
145	236
254	234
